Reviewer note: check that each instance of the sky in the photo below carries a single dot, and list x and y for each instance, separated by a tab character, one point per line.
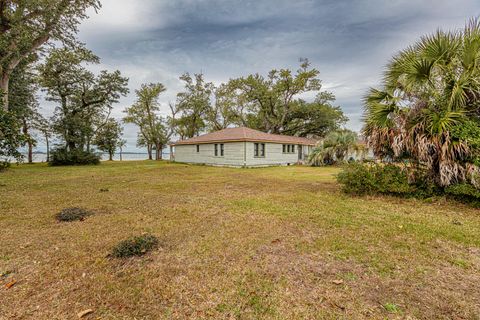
349	42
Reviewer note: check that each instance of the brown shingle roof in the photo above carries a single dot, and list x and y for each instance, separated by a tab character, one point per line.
245	134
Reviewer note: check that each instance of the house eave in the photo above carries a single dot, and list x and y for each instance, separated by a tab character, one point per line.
242	140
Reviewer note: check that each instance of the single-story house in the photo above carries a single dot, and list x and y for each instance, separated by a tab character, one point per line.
242	147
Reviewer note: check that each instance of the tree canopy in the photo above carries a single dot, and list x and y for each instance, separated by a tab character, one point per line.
26	25
84	99
269	103
144	113
109	137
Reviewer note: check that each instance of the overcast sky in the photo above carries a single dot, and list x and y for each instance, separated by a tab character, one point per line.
348	41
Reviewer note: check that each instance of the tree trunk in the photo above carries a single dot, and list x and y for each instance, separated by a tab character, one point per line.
29	141
121	151
30	152
48	147
110	156
158	152
71	146
149	149
4	90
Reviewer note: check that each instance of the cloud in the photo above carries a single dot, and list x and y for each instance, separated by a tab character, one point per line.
348	41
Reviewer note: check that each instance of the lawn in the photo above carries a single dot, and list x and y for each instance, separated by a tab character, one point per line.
270	243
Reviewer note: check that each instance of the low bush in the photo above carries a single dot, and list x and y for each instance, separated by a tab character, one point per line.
135	246
464	192
72	214
4	165
64	157
390	179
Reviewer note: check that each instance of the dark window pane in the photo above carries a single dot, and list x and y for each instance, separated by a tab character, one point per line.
216	149
255	150
221	150
198	148
262	150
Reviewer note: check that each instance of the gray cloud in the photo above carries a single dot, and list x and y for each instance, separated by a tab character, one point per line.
348	41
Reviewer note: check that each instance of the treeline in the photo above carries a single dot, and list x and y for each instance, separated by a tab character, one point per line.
40	52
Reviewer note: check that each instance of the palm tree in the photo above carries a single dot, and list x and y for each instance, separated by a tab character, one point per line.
430	91
336	146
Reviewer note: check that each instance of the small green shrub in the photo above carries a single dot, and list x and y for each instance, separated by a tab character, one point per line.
135	246
356	178
63	157
72	214
362	178
464	192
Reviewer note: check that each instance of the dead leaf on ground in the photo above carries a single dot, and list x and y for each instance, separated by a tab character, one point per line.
10	284
340	281
84	313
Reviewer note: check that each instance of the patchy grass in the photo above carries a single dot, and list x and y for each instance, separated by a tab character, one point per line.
270	243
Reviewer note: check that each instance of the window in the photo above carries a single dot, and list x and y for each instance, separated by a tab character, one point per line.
221	149
288	148
198	148
259	150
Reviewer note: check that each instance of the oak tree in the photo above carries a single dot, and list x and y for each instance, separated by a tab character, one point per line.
27	25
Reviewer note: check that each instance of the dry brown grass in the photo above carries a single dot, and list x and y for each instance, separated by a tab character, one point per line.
272	243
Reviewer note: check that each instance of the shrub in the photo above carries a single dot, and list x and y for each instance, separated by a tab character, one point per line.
464	192
135	246
72	214
4	165
356	178
63	157
361	178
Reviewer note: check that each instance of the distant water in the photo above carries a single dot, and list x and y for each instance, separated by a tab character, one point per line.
42	157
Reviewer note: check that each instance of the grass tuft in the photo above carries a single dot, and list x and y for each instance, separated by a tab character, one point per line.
391	307
72	214
135	246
